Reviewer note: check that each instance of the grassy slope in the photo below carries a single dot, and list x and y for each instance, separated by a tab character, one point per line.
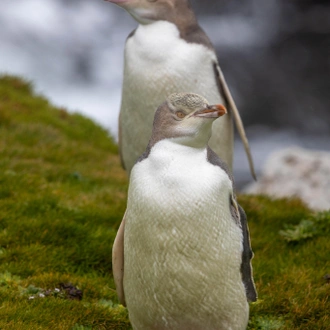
62	196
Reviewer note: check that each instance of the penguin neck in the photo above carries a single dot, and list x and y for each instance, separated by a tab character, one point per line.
154	29
159	41
167	151
198	142
185	22
182	16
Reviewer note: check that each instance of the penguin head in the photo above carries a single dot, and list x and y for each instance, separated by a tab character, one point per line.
148	11
187	119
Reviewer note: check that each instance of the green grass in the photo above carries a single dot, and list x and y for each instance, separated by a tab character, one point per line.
293	293
62	197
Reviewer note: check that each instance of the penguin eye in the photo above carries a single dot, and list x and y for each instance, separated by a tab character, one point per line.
180	114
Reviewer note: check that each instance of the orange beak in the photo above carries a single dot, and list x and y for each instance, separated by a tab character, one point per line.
212	111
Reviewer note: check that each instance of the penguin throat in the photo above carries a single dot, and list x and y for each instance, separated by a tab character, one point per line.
197	140
142	15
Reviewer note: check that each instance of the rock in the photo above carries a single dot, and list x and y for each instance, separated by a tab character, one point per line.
296	172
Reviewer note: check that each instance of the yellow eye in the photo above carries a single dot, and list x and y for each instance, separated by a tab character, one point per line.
180	114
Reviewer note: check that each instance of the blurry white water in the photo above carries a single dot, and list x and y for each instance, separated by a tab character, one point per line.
73	53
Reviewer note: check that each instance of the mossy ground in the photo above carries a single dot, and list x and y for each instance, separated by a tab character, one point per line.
62	197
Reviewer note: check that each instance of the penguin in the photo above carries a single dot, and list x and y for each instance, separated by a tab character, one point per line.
167	53
182	254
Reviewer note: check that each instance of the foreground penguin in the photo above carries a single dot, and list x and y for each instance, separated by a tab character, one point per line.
181	257
168	53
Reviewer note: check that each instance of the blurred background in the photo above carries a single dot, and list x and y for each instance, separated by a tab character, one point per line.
275	55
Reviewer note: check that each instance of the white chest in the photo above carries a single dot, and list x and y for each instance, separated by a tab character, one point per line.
179	180
157	56
179	236
180	196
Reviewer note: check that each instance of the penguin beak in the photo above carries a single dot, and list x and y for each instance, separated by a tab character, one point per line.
211	111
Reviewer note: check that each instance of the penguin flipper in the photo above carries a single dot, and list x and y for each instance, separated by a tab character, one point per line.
247	255
224	90
118	262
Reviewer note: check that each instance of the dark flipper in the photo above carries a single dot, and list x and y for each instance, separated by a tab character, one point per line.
247	255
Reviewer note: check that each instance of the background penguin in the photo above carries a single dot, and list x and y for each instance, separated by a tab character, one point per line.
182	255
169	53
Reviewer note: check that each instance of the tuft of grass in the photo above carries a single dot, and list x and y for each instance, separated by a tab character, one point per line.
266	323
318	224
62	197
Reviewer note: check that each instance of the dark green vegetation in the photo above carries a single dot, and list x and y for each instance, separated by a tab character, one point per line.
290	276
62	197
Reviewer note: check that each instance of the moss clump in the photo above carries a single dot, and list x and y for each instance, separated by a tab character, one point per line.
318	224
62	197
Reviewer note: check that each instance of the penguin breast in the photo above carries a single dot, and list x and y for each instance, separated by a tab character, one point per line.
158	56
182	248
